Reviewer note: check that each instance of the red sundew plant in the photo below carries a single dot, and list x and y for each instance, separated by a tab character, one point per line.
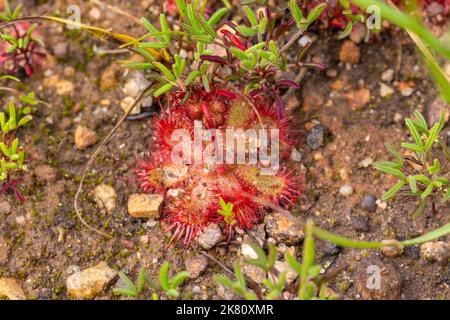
200	186
21	48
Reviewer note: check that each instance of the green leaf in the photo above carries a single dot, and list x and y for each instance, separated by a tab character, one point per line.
150	27
217	17
11	48
206	27
239	276
173	293
421	122
427	191
191	77
25	120
5	149
412	184
17	11
411	146
153	284
181	4
179	278
192	18
435	167
8	37
414	133
125	292
206	83
296	13
225	281
141	280
164	27
393	191
394	152
262	27
446	195
164	276
246	31
389	169
7	8
129	283
346	32
272	258
14	146
169	75
251	16
9	77
316	12
153	45
293	263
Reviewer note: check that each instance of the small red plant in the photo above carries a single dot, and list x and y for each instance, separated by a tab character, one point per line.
340	16
194	189
21	49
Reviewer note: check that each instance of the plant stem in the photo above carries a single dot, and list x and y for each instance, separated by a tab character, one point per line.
294	38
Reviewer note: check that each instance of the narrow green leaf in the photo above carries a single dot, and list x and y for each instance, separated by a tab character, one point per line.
164	27
414	133
412	184
164	276
347	30
129	283
251	16
296	13
178	279
390	170
316	12
181	4
411	146
394	152
293	263
191	77
427	191
393	191
435	167
163	89
125	292
141	280
217	17
169	75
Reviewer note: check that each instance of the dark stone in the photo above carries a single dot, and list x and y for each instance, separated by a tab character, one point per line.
360	223
368	203
315	137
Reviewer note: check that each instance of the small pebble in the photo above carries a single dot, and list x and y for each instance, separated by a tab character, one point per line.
95	13
346	190
196	265
385	90
366	163
438	251
210	236
388	75
393	250
369	203
145	205
196	290
85	137
105	196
